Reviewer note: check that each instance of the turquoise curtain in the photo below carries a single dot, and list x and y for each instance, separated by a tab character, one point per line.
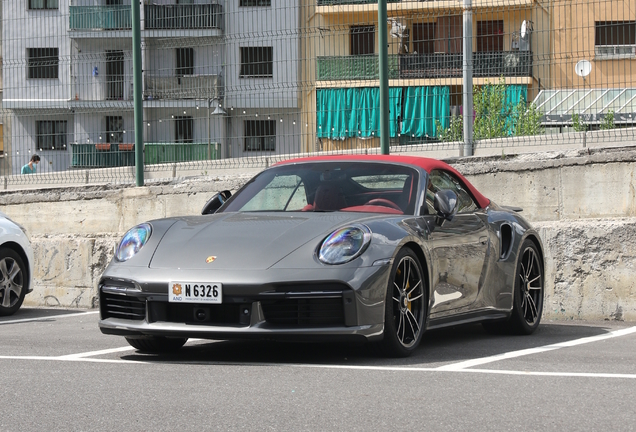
514	93
345	113
422	107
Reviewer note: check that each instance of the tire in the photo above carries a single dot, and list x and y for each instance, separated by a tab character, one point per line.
157	344
13	283
405	306
528	294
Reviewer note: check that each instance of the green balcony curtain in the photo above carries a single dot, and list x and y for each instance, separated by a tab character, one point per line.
346	113
514	93
422	107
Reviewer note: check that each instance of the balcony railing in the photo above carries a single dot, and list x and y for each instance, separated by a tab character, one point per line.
350	2
116	155
182	16
184	87
362	67
485	64
156	153
102	155
100	17
438	65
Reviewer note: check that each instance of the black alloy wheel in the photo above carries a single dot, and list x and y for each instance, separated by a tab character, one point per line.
12	281
405	308
528	294
528	289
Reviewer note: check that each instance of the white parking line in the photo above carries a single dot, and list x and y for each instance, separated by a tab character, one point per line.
513	354
46	318
95	353
460	367
477	371
71	359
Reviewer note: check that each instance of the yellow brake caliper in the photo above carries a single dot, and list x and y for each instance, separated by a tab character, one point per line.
408	304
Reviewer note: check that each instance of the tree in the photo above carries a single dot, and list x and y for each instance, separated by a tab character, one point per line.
577	124
454	132
495	118
526	119
491	111
608	121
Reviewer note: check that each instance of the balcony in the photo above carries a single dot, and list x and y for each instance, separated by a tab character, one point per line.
362	67
183	16
100	17
184	87
438	65
102	155
118	155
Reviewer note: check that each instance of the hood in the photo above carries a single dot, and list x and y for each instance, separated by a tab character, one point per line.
242	240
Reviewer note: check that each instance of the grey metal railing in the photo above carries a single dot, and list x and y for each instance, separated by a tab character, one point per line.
183	16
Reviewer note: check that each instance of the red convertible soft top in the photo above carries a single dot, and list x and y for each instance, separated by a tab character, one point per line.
426	164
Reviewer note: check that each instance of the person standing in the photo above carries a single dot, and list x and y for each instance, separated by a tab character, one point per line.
32	166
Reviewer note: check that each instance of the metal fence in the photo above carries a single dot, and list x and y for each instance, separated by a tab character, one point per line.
250	82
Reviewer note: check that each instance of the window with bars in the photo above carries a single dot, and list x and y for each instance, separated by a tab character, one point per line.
615	39
51	134
43	63
260	135
490	36
244	3
424	38
362	40
43	4
183	129
185	61
257	62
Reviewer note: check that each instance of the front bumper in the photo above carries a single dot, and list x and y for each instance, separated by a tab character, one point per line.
344	304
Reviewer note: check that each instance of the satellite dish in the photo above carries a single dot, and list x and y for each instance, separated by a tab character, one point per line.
524	29
583	68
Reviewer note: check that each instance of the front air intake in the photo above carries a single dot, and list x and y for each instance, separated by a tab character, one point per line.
122	306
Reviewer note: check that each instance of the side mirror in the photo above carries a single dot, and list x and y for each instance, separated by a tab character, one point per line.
215	203
446	205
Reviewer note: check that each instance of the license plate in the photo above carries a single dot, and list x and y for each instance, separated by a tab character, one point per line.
189	292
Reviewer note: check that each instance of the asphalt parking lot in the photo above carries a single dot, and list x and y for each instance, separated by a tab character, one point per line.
58	372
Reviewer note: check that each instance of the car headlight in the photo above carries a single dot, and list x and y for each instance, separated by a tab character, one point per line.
344	244
132	242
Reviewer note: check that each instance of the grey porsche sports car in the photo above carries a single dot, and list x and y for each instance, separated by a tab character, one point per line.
375	248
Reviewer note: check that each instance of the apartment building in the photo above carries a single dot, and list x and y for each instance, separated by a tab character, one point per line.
219	80
510	41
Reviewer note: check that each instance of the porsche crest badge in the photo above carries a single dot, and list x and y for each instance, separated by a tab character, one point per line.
176	289
210	259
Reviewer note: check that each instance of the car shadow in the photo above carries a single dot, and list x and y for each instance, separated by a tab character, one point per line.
438	347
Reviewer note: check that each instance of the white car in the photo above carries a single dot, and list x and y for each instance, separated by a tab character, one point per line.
16	265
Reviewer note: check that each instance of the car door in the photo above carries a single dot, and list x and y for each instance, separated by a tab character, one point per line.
459	247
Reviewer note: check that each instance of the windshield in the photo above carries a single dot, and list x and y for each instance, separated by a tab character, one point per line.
330	186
